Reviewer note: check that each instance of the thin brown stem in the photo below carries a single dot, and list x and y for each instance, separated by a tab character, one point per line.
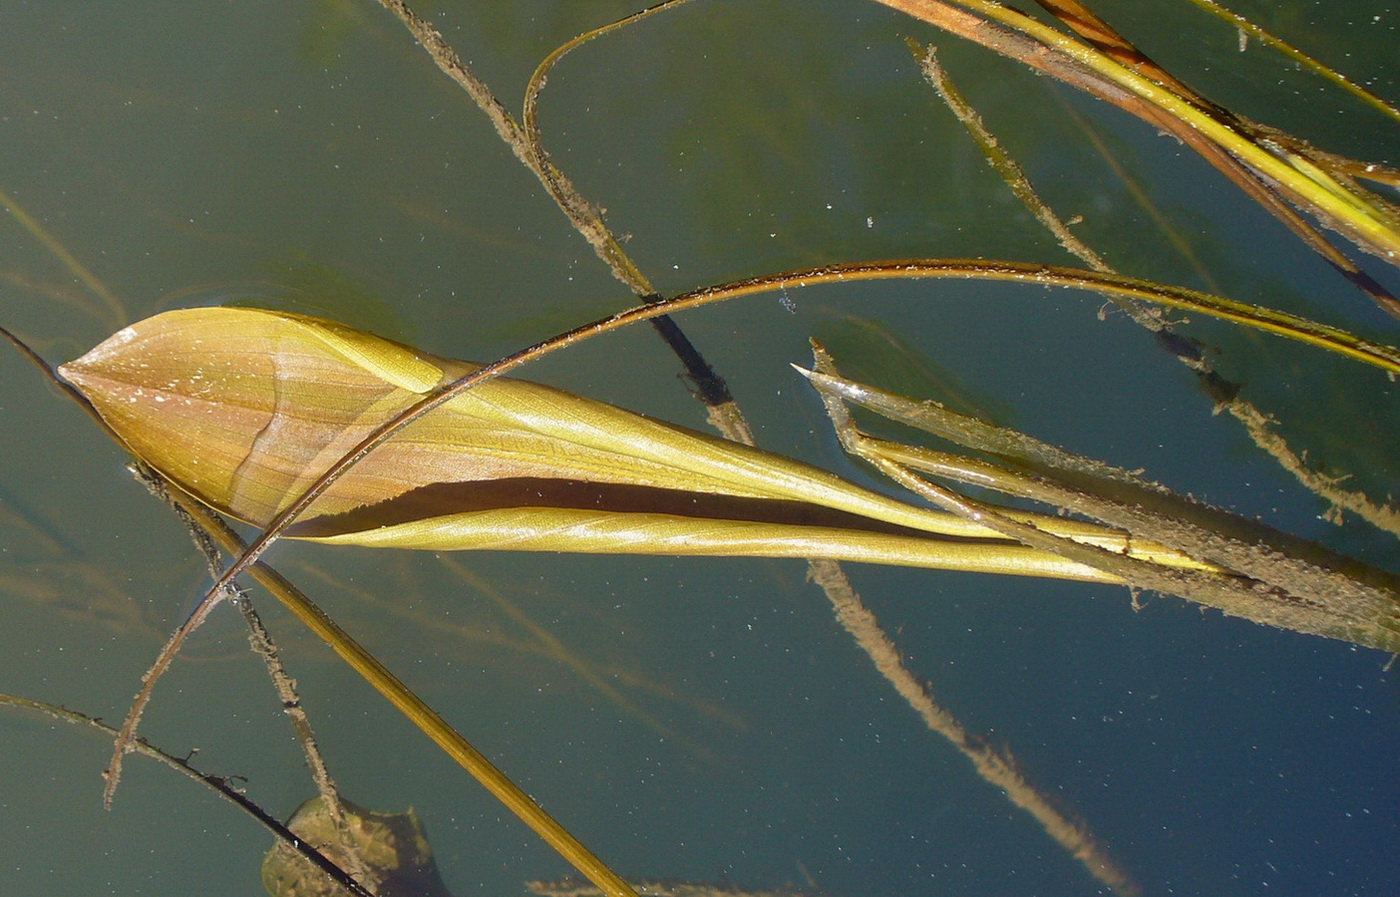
996	767
217	784
262	643
1046	275
586	218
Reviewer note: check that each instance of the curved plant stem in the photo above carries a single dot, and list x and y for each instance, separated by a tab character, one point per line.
1280	323
583	214
723	412
1321	335
1262	429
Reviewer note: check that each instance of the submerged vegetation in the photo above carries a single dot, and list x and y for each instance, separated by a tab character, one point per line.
307	428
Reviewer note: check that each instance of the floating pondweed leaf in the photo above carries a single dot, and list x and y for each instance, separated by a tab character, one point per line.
245	408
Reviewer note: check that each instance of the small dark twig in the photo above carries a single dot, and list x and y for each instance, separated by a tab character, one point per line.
219	784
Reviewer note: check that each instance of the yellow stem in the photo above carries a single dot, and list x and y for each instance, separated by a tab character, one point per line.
1328	196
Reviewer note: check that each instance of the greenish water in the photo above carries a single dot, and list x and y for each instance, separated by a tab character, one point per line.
308	155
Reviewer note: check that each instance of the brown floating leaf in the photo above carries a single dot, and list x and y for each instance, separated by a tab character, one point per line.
245	408
391	846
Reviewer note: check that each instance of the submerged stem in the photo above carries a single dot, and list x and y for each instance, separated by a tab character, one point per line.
996	767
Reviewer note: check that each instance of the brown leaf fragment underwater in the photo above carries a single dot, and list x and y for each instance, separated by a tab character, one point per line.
391	846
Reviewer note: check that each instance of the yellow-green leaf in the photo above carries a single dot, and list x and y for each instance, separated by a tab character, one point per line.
245	408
